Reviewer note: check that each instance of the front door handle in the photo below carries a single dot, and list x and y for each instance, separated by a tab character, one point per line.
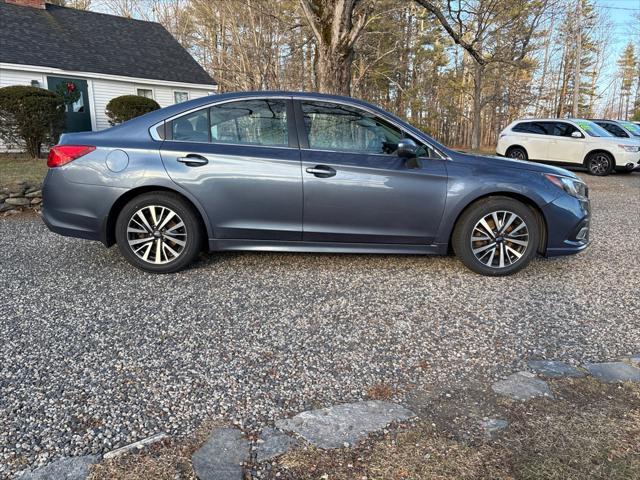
321	171
193	160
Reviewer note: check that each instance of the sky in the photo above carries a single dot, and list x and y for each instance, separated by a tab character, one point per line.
625	25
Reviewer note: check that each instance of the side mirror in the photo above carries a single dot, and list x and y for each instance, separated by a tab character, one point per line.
577	134
407	148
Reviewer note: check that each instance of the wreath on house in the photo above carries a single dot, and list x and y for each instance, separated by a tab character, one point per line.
69	92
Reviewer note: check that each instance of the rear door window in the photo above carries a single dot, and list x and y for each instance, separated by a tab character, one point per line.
251	122
192	127
562	129
260	122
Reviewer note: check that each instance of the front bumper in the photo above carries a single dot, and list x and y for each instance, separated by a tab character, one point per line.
568	225
628	161
630	167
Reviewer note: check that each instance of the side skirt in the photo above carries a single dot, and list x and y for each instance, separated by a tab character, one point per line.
324	247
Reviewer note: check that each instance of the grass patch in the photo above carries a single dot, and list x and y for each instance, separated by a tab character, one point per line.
590	431
166	460
380	391
15	167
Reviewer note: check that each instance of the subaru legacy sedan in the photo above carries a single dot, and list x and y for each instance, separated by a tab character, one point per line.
303	172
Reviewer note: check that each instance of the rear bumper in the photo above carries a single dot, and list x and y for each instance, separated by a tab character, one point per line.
568	226
75	209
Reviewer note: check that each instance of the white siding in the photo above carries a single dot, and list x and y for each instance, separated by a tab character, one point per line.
102	90
105	90
165	95
18	77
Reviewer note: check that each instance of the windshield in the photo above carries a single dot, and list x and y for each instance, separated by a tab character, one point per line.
632	128
592	129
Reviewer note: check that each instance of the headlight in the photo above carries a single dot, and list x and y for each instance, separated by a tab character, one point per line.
630	148
573	187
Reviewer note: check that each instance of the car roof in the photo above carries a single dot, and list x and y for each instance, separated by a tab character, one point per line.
548	120
609	120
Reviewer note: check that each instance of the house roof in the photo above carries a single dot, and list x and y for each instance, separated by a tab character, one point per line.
84	41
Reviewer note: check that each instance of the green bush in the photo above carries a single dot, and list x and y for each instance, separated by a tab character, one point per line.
126	107
30	116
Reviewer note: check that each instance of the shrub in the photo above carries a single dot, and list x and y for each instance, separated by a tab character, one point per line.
126	107
30	116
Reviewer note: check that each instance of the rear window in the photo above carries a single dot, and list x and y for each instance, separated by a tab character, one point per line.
530	127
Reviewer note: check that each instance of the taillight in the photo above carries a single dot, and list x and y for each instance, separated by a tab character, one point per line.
63	154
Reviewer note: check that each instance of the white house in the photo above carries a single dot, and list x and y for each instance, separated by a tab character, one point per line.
101	56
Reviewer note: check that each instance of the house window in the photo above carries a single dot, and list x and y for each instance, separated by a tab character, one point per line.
180	97
145	92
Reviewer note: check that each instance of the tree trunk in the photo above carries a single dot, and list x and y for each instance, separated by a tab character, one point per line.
577	70
478	74
335	32
333	71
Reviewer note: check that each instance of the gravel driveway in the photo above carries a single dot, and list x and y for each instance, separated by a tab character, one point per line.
95	355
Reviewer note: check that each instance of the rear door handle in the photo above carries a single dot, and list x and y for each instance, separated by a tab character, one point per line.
321	171
193	160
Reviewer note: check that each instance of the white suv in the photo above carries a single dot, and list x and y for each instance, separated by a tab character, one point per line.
569	142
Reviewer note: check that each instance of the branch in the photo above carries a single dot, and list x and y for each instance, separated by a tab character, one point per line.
312	18
456	36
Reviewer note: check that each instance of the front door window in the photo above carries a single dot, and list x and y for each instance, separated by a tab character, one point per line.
331	126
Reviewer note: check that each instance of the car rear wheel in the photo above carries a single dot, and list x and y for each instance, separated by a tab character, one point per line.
496	236
599	164
158	232
518	153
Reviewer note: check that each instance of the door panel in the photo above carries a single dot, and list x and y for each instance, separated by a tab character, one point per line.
356	189
249	179
533	137
372	199
571	150
248	192
562	146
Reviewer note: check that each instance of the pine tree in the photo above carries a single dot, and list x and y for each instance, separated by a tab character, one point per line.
627	65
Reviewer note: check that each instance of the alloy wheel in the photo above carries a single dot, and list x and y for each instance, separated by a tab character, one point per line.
517	154
156	234
499	239
599	164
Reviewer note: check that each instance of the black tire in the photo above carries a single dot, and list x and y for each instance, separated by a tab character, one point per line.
517	153
185	239
504	244
599	164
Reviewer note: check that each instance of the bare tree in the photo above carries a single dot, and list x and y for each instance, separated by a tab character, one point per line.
336	26
492	32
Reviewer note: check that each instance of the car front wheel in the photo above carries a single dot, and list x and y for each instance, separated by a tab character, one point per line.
158	232
496	236
600	164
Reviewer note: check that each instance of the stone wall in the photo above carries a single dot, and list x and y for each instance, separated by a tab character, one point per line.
20	196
